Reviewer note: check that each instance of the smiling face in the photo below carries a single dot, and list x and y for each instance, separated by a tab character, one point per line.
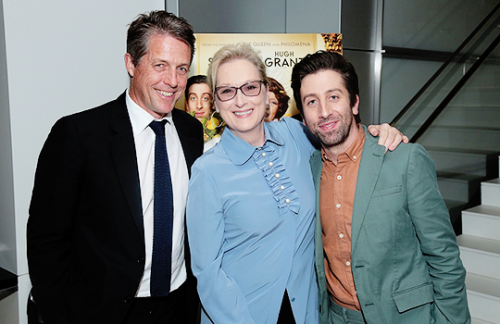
327	109
244	115
160	77
272	108
199	100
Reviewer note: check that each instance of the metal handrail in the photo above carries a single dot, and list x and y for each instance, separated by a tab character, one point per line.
443	67
455	90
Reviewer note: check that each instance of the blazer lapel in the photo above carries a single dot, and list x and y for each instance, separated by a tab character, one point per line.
125	159
369	170
316	167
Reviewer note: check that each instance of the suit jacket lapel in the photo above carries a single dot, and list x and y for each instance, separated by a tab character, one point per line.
125	159
316	167
369	170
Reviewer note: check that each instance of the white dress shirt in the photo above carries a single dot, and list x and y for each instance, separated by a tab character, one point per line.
144	138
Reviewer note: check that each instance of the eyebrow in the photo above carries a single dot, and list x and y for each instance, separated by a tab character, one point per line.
233	86
326	92
166	62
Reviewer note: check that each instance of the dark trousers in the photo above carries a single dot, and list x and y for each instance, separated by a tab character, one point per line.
286	313
32	312
154	310
181	306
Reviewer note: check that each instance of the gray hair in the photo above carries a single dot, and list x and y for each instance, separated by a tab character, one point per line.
230	53
153	23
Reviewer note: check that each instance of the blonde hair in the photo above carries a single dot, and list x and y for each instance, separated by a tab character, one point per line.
230	53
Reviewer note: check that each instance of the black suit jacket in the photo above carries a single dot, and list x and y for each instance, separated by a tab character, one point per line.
85	235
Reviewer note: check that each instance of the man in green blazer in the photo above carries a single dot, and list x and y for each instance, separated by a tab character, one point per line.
385	249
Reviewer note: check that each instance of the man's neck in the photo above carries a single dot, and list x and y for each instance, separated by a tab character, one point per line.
334	151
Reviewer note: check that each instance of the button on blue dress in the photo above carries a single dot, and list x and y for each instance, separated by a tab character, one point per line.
250	219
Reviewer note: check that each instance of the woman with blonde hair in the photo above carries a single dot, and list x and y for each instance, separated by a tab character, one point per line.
251	205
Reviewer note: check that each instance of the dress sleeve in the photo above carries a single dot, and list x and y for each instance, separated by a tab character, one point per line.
302	135
437	238
220	295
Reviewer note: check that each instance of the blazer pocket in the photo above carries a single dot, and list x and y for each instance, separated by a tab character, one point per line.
385	191
414	297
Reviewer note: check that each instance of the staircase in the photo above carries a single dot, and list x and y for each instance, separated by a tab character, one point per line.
464	142
480	253
455	115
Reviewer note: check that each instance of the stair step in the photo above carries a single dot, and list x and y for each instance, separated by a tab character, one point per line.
458	186
484	138
455	209
480	256
484	80
470	96
478	321
455	203
490	192
483	295
469	161
483	221
468	116
486	76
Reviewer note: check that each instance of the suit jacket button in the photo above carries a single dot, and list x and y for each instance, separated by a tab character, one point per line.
140	260
127	299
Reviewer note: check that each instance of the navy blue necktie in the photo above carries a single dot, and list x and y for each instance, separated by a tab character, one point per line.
163	216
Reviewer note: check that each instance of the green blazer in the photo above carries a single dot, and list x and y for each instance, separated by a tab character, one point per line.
405	259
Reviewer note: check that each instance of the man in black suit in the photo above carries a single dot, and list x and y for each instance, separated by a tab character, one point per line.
92	216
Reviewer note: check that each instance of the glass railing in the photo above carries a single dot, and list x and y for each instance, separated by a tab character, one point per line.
425	107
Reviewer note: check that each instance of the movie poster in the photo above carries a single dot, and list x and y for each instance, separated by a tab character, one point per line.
280	52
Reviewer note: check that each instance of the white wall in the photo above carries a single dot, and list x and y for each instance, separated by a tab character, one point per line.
7	223
56	57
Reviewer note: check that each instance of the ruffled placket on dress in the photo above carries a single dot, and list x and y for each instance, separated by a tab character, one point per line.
277	177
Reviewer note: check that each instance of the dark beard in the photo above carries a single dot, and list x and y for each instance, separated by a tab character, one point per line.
335	138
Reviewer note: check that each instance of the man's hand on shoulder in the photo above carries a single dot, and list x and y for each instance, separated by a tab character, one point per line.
389	136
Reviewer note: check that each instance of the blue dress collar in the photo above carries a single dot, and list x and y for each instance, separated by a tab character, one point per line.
239	151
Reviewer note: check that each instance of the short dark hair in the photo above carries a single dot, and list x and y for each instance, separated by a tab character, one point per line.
280	93
157	22
195	79
323	60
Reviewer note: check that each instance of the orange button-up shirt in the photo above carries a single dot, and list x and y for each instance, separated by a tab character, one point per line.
338	186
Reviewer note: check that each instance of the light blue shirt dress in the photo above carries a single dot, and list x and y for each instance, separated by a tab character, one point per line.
250	221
